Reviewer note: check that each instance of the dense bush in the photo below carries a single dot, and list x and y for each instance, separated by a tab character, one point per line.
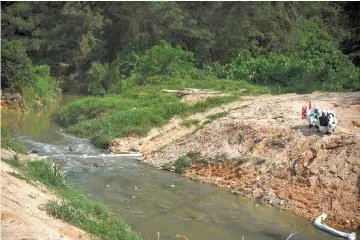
181	164
103	77
17	71
324	68
15	65
163	62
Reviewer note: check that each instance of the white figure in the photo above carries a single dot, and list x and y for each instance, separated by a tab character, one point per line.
313	116
327	121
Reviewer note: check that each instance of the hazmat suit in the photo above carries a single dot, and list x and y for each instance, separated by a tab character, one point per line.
327	121
313	116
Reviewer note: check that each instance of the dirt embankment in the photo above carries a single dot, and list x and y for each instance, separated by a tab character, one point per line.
252	152
22	212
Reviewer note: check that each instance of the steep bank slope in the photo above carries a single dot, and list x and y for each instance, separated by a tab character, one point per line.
252	151
22	214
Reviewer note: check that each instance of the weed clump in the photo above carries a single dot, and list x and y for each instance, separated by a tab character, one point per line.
190	122
181	164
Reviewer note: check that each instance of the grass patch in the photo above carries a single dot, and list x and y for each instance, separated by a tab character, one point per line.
138	109
47	172
126	117
8	142
190	122
14	161
93	217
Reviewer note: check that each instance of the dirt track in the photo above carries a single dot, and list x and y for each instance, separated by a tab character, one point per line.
252	150
22	214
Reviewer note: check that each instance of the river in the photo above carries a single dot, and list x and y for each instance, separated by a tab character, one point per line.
152	200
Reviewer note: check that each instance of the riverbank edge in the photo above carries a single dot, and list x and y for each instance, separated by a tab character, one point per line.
268	197
16	165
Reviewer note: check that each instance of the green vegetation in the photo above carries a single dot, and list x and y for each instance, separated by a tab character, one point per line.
124	53
190	122
93	217
181	164
17	72
74	207
133	112
218	115
8	142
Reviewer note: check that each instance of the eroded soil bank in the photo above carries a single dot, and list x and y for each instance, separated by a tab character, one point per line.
252	149
23	215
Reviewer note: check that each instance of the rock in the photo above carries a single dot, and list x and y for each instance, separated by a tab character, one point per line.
133	149
107	185
314	171
257	193
311	181
333	169
235	192
133	197
355	168
347	221
135	188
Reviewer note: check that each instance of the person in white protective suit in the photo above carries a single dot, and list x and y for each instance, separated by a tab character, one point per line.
327	121
313	116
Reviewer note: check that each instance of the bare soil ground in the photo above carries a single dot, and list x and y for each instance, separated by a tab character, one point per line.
252	151
22	212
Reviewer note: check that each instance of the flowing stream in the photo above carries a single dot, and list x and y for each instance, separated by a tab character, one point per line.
152	200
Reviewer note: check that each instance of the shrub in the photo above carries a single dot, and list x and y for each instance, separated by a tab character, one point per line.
166	61
181	164
320	67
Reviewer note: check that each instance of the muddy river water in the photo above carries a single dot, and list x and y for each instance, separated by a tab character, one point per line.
152	200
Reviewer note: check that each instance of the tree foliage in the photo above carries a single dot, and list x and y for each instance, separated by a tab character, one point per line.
107	45
15	65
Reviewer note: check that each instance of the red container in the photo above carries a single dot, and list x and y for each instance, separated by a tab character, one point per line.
303	112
